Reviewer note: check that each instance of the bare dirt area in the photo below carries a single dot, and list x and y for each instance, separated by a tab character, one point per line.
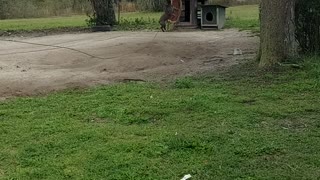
36	65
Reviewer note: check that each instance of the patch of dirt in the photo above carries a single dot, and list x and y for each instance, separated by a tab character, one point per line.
294	124
36	65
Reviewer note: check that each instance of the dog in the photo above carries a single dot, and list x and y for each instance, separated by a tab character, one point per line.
164	19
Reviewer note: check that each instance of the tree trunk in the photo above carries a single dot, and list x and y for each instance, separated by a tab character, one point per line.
104	12
277	32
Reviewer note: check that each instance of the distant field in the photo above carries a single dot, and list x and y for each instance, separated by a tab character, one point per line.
242	17
135	20
42	23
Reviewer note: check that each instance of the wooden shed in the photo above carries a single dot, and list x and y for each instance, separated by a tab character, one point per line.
197	13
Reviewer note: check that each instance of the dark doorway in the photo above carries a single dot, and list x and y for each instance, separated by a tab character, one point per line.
186	10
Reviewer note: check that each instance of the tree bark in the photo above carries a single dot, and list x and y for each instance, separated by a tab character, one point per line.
277	36
104	12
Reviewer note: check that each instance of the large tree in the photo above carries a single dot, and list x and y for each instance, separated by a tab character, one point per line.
103	12
288	28
277	36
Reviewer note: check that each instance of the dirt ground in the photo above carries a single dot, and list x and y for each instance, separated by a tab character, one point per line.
36	65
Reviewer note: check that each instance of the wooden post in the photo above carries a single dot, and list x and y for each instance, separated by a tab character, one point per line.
119	9
193	12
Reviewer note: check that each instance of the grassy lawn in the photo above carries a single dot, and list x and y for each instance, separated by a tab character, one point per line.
241	124
42	23
139	21
242	17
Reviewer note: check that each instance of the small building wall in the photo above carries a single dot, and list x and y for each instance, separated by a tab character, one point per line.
191	14
221	17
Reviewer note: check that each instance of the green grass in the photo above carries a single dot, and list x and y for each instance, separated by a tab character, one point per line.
128	21
242	17
42	23
241	124
139	21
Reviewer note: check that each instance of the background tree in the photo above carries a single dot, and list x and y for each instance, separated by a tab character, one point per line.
104	13
42	8
307	22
